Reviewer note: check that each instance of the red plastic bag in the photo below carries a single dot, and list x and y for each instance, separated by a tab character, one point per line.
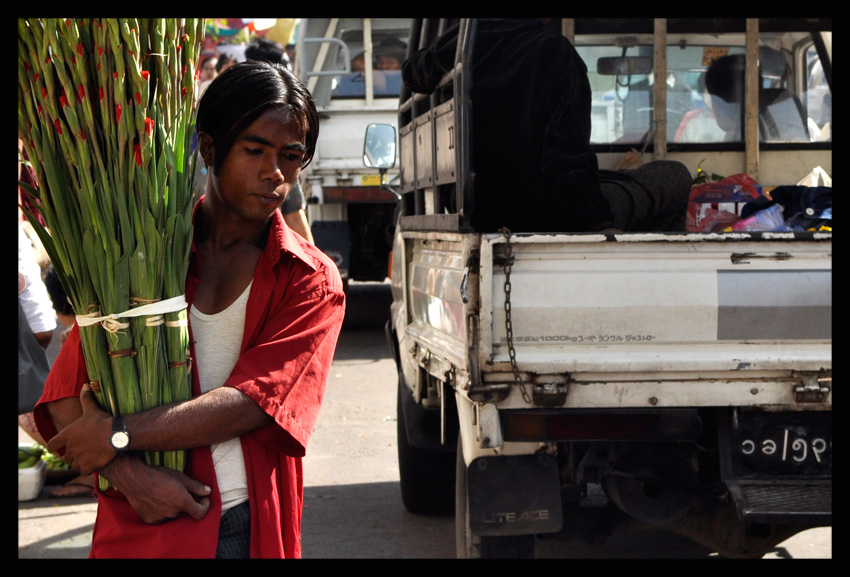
717	205
735	188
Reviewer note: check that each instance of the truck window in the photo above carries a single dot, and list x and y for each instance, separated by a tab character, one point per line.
388	52
794	97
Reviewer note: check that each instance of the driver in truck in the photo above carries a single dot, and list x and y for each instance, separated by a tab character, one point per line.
532	106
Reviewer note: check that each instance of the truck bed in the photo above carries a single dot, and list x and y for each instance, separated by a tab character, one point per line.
663	310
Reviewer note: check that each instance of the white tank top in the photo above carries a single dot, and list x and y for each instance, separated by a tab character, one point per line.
218	340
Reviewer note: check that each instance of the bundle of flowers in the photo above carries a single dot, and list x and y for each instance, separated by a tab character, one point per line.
106	115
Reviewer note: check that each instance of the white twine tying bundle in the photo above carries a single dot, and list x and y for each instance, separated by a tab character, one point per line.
112	322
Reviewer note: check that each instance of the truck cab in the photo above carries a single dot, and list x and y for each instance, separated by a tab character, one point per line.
352	67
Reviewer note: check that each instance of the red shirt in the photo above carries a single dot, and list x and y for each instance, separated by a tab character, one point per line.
292	322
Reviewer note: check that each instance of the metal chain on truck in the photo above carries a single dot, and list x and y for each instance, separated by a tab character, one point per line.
508	325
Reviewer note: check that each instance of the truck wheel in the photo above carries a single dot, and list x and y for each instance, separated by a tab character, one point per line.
426	476
472	546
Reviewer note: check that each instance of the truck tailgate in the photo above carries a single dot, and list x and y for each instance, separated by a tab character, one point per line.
647	303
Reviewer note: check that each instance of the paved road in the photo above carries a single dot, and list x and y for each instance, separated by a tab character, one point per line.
352	504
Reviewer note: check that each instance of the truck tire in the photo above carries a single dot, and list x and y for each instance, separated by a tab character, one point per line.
426	476
472	546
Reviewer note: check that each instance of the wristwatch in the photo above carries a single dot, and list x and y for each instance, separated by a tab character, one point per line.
120	438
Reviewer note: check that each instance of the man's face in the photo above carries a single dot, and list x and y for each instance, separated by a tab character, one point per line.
261	167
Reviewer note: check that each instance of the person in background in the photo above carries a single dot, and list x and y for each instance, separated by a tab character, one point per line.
358	63
38	309
33	298
699	124
388	62
389	54
265	49
290	50
265	311
294	210
209	70
81	485
225	61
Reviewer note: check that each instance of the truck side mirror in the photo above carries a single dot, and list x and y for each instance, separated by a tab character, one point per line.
379	147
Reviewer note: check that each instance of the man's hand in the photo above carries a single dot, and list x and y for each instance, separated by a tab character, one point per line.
86	440
157	494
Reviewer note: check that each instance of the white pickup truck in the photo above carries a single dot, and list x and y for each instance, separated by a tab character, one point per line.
556	384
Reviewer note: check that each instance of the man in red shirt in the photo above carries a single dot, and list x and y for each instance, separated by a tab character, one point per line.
266	309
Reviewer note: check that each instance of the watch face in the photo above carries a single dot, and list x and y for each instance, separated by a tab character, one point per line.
120	440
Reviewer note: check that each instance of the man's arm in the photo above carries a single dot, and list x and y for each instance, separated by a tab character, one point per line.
425	68
155	493
219	415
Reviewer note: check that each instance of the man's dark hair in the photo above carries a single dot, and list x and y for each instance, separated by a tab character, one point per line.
249	89
57	292
264	49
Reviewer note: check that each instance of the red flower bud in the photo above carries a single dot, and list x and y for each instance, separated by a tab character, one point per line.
63	101
138	154
26	66
139	98
146	75
183	91
100	51
44	92
82	92
82	135
114	75
80	48
58	126
148	126
100	94
117	113
37	76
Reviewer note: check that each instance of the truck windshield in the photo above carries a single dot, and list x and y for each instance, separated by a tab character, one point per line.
705	89
388	52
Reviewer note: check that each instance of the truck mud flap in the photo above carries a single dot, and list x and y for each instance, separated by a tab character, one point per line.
778	466
514	495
